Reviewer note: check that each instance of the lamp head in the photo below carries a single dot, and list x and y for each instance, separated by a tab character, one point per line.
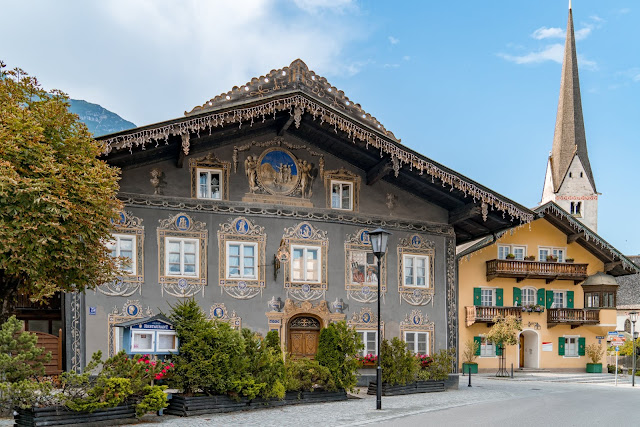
633	316
379	238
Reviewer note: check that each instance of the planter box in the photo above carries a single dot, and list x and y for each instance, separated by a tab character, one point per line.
595	368
185	406
59	415
410	388
469	367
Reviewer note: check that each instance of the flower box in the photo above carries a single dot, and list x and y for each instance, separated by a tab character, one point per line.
594	368
59	415
429	386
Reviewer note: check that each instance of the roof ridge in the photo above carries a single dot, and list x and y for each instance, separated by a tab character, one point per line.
297	76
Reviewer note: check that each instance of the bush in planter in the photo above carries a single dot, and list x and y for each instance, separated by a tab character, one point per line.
440	368
307	375
511	256
338	349
264	366
595	352
469	356
399	365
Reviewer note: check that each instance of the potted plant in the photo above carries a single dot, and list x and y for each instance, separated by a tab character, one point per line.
569	260
530	258
551	258
469	355
511	256
594	352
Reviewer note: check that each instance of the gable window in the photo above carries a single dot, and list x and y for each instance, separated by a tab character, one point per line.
305	265
370	341
182	257
557	253
209	184
123	246
529	296
487	348
517	250
241	260
417	342
341	195
416	271
576	208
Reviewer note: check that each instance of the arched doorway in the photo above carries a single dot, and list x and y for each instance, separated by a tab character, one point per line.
303	332
529	349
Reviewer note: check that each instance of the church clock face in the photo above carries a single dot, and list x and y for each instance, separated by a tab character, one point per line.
278	171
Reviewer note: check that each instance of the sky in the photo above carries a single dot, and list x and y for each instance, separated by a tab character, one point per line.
470	84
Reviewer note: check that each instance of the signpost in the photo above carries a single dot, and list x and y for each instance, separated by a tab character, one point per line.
617	352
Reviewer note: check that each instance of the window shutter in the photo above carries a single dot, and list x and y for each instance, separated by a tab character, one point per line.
549	299
561	346
517	296
581	346
476	296
499	298
498	351
478	340
541	297
569	299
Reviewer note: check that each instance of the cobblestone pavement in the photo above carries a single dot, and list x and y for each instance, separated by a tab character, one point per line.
361	410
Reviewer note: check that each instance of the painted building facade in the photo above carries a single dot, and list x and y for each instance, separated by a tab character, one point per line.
258	204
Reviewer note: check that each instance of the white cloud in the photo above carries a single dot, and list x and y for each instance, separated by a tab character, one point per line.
583	33
552	52
546	33
314	6
406	58
393	40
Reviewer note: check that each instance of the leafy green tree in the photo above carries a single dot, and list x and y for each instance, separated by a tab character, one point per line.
57	198
399	364
338	349
505	331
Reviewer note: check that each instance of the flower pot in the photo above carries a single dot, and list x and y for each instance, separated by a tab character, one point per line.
594	368
469	367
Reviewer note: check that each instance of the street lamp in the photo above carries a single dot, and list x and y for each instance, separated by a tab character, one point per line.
379	238
633	316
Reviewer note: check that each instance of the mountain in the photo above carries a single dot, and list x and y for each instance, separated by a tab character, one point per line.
98	119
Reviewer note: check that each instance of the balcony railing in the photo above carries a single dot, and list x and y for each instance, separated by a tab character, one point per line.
572	316
549	271
53	304
487	314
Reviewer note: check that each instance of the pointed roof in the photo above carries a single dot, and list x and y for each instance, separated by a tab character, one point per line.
569	138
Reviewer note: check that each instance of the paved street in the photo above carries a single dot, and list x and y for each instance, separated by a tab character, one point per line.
553	399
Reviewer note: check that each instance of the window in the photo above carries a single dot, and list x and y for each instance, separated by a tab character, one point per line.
182	256
487	297
124	246
600	299
518	251
559	299
487	349
167	341
364	267
570	175
557	253
571	346
209	184
576	208
417	342
341	195
305	265
529	296
370	341
608	299
241	260
141	341
592	299
416	271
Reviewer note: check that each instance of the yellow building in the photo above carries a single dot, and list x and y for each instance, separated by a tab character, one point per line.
550	274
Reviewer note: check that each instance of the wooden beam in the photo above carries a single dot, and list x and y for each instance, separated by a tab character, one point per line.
181	157
284	127
573	237
379	171
608	266
463	213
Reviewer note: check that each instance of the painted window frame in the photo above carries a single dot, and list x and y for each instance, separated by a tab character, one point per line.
209	171
241	256
319	261
342	176
363	335
342	183
566	346
115	242
427	273
142	332
209	163
182	241
416	348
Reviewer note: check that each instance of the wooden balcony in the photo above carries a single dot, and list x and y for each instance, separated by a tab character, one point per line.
549	271
482	314
572	316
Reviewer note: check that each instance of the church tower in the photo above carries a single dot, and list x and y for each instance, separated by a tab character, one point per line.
569	181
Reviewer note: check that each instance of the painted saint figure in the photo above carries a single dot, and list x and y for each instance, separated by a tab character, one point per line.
305	168
251	169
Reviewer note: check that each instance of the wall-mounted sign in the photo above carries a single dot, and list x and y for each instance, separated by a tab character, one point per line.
547	346
93	311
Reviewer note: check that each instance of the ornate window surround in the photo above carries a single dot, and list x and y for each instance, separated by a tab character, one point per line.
242	230
418	322
132	309
220	313
127	284
416	245
362	292
182	225
343	175
304	234
210	162
365	320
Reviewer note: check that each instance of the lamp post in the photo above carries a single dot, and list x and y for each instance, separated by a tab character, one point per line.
633	316
379	238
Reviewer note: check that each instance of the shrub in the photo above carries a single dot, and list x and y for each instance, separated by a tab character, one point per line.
440	367
470	353
307	375
264	366
595	352
612	369
399	366
338	349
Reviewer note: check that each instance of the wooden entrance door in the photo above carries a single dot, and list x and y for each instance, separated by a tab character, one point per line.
303	337
521	350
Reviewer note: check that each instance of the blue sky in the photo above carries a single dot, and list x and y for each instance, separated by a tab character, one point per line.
473	85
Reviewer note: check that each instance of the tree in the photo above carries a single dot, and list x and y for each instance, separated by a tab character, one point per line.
57	198
338	350
504	332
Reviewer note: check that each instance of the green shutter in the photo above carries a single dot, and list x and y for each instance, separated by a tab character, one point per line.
476	296
499	298
541	297
517	296
581	346
569	299
549	299
478	340
498	351
561	346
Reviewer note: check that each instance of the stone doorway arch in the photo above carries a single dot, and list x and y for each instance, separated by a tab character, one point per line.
529	346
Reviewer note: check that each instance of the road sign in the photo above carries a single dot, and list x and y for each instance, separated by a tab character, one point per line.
612	333
620	335
600	337
617	343
617	348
